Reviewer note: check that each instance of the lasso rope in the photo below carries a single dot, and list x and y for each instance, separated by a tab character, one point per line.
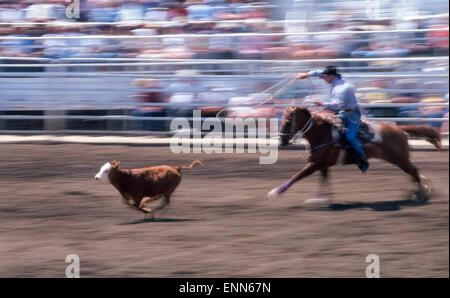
290	82
287	82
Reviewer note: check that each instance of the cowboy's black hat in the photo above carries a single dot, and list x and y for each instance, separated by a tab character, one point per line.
330	70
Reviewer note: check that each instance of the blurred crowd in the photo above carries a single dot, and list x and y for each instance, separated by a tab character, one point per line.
166	23
123	17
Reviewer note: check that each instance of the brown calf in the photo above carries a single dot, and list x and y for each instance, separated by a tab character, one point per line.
140	186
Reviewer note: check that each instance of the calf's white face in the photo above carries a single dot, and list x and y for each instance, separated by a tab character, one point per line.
104	170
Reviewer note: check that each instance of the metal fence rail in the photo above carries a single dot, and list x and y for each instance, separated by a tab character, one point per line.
49	96
136	118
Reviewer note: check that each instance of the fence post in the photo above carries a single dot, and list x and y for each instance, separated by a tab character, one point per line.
52	124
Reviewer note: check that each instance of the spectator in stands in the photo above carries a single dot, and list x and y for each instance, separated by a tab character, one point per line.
436	97
98	47
383	49
63	48
176	10
214	96
276	47
438	40
149	91
10	13
156	14
175	47
16	47
253	47
220	47
320	46
183	92
130	12
103	11
46	12
200	12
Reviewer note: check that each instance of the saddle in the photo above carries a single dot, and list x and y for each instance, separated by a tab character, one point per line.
368	133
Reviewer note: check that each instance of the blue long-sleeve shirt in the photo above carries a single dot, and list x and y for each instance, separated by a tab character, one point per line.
342	94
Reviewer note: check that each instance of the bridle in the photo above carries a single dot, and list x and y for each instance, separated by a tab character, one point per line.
299	134
308	125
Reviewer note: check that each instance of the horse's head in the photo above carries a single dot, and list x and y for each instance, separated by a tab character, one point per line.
294	119
107	168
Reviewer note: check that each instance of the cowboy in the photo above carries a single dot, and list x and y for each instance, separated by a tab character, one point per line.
343	100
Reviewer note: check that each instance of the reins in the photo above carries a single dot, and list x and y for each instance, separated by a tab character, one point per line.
322	145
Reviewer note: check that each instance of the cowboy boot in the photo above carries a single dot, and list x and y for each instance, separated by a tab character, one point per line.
361	161
363	164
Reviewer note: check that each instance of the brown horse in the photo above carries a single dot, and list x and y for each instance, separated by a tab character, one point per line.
324	152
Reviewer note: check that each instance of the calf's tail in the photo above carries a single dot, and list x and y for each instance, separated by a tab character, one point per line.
192	165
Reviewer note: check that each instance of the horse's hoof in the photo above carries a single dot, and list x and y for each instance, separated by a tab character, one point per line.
273	194
420	197
426	185
427	190
317	202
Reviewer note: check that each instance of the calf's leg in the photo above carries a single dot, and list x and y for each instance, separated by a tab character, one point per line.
148	199
164	203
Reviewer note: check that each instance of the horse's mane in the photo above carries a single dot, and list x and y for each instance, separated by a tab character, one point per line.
321	118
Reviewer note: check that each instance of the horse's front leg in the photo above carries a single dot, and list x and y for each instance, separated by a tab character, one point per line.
306	171
324	188
323	194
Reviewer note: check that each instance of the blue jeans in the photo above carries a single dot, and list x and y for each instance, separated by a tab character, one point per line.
351	122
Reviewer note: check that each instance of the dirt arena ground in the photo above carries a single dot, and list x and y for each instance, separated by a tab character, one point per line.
220	222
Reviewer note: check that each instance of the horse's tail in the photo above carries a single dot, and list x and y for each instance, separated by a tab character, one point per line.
193	164
428	133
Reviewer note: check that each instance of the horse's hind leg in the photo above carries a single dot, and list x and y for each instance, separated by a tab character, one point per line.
420	180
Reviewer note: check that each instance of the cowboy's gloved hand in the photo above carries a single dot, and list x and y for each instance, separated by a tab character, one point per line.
317	102
302	75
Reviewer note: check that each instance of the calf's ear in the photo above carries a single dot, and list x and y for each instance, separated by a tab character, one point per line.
115	163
